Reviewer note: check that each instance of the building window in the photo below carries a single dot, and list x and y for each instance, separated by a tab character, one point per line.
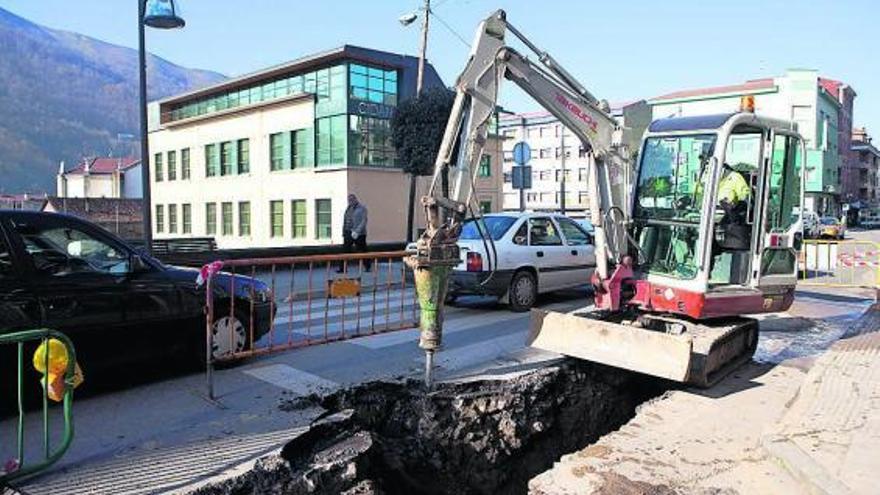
244	218
323	218
583	197
298	218
582	174
508	156
370	142
303	154
508	177
157	162
279	151
372	84
485	169
160	218
211	219
544	175
186	211
331	140
212	160
227	157
184	164
486	206
172	219
276	213
226	211
582	152
172	165
544	153
244	156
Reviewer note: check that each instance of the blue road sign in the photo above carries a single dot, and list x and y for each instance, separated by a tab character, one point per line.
522	153
522	177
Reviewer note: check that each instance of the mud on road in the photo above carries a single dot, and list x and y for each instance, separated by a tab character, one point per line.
477	436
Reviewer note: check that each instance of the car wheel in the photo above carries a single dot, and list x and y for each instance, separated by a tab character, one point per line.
523	291
451	299
229	336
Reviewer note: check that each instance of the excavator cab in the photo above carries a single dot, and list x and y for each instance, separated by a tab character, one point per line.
713	232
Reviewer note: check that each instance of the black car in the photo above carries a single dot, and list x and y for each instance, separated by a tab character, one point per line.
118	305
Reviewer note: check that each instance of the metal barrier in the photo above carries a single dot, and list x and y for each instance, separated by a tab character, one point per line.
18	467
832	263
311	300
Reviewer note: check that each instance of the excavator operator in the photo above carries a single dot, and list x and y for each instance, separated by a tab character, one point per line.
733	196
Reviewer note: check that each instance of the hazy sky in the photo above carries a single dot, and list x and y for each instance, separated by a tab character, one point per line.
620	50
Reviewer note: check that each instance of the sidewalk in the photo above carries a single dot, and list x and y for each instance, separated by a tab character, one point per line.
806	425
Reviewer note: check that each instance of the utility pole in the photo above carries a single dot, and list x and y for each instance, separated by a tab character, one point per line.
562	169
424	47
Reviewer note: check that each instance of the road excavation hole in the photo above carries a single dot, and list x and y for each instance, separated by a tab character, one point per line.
478	436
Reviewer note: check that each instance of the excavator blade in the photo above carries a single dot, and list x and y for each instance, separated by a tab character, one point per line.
700	355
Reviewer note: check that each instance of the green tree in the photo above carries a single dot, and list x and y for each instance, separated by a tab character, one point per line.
416	132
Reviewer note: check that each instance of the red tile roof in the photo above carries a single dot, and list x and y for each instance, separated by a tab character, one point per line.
98	166
748	86
831	86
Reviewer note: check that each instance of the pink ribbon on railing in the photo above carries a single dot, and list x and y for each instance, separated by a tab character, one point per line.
208	271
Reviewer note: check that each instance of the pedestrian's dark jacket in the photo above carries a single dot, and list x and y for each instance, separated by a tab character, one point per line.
355	220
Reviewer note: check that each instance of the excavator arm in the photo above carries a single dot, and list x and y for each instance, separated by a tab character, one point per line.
451	193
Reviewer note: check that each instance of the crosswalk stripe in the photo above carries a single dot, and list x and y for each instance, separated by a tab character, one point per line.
290	378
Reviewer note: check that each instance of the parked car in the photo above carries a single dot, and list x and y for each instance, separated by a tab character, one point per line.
117	305
830	227
811	224
530	253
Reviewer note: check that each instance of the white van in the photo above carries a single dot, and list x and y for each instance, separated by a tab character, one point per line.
811	224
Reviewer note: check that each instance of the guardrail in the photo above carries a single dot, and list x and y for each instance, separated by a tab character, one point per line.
832	263
17	467
311	300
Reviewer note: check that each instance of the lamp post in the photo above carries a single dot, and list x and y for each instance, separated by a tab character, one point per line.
406	20
159	14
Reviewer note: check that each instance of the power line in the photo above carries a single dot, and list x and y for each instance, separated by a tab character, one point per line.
450	29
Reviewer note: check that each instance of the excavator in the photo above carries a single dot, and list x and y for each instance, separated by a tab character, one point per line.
680	260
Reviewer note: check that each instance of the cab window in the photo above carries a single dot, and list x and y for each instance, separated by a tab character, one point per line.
574	235
542	232
57	249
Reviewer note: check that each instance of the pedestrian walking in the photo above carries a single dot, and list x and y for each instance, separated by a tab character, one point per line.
354	229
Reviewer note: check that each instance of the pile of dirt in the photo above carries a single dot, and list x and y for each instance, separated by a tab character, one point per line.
482	436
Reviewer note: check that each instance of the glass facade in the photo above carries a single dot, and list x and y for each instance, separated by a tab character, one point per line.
354	103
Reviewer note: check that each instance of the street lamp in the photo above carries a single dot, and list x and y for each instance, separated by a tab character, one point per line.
159	14
407	19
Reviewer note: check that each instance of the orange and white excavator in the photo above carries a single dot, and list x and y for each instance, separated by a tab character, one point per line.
680	260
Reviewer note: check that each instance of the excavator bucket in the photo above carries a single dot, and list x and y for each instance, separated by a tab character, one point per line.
699	355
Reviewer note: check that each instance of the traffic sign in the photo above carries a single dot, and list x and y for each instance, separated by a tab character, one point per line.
522	177
522	153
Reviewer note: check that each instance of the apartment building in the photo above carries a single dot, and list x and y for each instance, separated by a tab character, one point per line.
558	158
820	107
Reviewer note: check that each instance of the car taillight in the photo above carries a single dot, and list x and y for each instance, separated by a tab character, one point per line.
474	262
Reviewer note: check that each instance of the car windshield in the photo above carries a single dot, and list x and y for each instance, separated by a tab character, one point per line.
828	221
496	226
